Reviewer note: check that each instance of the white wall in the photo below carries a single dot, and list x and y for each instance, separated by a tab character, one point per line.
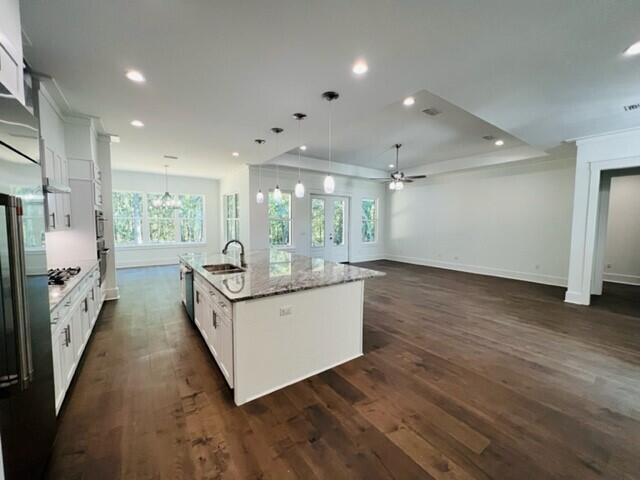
355	189
512	221
130	256
622	256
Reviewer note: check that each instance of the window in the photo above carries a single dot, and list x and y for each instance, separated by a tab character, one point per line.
127	217
162	221
231	217
280	220
369	220
137	222
317	222
338	222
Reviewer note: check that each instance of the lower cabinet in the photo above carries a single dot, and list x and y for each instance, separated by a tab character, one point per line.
214	321
72	323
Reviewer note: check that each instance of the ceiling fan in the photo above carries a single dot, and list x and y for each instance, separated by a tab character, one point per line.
397	179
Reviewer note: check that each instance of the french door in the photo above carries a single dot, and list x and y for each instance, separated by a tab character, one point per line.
330	227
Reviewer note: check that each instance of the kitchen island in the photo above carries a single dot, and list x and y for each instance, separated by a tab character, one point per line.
279	319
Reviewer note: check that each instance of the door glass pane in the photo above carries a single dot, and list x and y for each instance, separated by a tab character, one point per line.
317	222
338	222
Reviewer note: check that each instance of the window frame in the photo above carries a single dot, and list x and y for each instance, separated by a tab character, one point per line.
374	221
226	220
177	222
281	219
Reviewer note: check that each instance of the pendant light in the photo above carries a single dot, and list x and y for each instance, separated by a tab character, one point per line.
166	201
329	182
259	195
277	193
299	190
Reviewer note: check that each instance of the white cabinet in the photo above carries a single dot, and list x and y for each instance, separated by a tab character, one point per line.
11	71
72	323
213	317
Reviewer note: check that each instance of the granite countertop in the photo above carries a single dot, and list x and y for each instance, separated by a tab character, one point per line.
57	293
274	272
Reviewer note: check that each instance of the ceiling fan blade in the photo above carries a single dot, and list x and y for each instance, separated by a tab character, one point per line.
407	180
415	177
387	179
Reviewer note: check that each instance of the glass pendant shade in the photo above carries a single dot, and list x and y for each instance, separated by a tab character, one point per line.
392	185
329	184
166	200
299	190
277	194
399	185
260	197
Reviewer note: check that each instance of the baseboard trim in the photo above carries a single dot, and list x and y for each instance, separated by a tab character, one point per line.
482	270
577	298
622	278
112	294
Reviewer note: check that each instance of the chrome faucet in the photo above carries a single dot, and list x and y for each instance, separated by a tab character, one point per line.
226	247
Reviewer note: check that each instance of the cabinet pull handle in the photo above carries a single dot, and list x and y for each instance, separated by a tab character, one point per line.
197	296
68	215
93	294
86	305
67	335
53	220
215	320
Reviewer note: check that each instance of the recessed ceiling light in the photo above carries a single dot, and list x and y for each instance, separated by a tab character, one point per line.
633	49
391	165
135	76
303	147
235	154
114	138
137	123
499	143
360	67
407	102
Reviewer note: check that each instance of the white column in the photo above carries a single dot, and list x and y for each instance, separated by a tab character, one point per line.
104	162
578	235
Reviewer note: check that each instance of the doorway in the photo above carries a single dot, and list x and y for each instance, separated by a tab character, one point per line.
330	227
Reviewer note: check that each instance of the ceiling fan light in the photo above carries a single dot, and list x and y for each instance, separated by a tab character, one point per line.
392	185
399	185
329	184
299	190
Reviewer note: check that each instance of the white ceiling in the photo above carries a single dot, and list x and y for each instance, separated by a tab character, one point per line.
221	73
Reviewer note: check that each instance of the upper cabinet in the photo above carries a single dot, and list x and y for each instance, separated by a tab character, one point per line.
82	151
11	63
55	165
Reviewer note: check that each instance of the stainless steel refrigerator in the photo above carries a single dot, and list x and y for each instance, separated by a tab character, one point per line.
27	412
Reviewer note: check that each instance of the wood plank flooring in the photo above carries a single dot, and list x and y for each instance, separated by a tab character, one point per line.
464	377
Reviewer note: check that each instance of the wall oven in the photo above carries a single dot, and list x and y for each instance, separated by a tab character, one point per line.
103	253
99	225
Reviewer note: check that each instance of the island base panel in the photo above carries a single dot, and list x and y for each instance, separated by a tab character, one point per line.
283	339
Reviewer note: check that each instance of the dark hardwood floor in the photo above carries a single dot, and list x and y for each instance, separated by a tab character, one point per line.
464	376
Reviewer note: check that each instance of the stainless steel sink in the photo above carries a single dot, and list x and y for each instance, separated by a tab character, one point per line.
223	268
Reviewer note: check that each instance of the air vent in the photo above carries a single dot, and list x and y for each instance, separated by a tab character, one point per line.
170	157
489	138
431	111
632	108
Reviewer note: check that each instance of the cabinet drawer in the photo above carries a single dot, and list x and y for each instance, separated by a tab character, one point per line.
221	305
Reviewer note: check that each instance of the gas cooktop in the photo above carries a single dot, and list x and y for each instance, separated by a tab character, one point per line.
59	276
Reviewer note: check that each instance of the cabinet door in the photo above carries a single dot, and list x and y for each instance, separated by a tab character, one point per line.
64	210
93	302
200	306
85	319
52	212
77	335
225	341
59	376
49	164
69	355
212	325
